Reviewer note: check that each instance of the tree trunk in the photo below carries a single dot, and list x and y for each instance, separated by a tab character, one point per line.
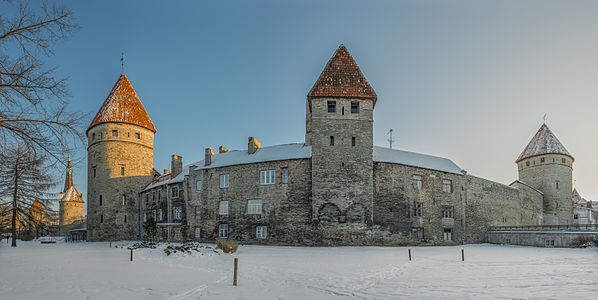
14	203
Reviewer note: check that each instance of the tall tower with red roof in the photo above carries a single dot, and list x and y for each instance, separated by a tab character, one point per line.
120	157
546	165
339	127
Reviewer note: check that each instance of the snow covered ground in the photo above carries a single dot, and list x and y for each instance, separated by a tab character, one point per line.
95	271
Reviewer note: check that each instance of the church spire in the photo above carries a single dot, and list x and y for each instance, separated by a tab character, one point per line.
68	182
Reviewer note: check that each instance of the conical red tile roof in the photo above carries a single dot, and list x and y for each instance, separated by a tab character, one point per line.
123	105
342	78
543	142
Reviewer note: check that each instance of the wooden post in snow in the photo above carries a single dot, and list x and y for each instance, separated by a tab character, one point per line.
409	254
235	272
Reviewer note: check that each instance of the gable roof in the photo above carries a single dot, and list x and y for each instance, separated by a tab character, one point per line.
342	78
543	142
418	160
123	105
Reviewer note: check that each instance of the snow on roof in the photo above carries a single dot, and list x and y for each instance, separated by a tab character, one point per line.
270	153
543	142
382	154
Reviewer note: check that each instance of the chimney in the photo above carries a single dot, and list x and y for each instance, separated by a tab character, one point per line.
208	159
176	164
222	149
252	145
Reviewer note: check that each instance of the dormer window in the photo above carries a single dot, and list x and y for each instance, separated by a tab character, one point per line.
331	106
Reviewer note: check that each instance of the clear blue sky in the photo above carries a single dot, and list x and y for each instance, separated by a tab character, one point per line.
467	80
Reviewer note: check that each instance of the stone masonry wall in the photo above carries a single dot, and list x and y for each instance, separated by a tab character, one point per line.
107	154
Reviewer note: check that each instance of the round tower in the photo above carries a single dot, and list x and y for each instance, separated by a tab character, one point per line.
120	157
546	165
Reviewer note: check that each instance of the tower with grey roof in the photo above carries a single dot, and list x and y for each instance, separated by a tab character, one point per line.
546	165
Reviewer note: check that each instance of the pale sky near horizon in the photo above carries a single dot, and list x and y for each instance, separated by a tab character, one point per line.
465	80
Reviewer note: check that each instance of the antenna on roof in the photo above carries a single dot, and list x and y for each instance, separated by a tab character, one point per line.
390	140
122	62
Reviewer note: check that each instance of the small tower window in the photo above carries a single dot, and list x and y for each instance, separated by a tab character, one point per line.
354	107
353	141
331	141
114	132
122	171
331	106
100	200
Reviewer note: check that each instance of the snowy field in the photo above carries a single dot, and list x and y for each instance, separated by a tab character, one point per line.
95	271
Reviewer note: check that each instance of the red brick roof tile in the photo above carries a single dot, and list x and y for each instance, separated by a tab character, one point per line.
342	78
123	105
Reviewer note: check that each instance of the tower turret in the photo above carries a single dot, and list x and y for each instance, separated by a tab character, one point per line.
339	127
546	165
120	162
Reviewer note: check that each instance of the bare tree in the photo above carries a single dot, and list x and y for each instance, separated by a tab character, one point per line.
25	176
33	110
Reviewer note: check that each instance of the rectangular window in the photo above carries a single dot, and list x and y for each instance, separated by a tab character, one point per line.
260	232
417	182
223	208
331	106
331	141
417	232
267	177
177	213
197	233
285	175
122	171
447	185
417	209
223	231
159	214
198	185
353	141
447	211
114	132
175	192
224	181
254	207
354	107
448	234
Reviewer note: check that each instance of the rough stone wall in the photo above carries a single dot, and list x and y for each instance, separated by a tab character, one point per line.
107	154
342	175
489	203
544	175
394	198
286	208
70	212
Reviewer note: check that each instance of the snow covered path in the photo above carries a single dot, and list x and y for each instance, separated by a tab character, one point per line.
95	271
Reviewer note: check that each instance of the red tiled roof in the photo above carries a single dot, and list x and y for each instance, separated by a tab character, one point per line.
342	78
123	105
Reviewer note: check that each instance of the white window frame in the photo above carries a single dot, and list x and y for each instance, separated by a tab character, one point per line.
224	181
223	208
267	177
261	232
254	207
223	231
198	185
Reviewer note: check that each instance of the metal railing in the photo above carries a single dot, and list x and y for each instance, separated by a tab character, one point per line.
571	227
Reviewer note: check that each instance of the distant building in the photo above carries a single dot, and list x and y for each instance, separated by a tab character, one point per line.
336	188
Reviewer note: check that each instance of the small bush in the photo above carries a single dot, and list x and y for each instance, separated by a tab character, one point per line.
227	246
585	241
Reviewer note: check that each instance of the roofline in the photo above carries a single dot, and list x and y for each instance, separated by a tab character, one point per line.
523	158
121	122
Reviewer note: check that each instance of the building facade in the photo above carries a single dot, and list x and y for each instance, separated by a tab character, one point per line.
338	188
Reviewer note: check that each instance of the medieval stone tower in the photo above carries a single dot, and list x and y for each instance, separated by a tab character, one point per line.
339	128
120	163
546	165
71	202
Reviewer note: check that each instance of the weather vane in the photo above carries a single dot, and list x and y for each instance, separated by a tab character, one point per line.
122	62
